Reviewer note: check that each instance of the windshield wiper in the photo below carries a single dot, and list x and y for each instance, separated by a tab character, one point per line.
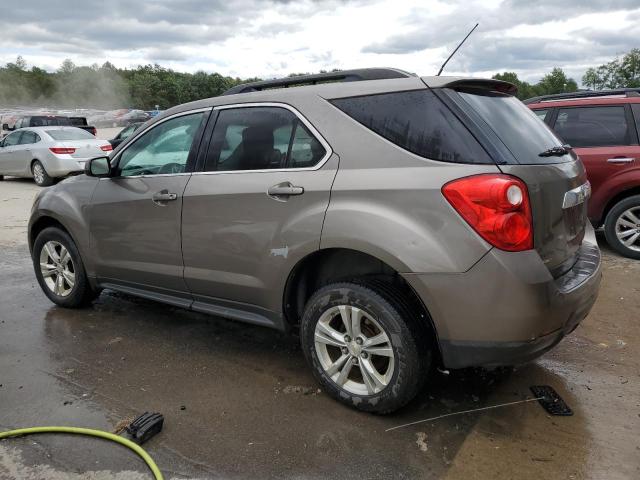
556	151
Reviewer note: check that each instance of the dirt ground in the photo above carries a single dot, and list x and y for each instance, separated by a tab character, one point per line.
240	403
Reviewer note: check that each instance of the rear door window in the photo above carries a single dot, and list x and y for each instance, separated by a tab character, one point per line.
28	138
594	126
416	121
261	138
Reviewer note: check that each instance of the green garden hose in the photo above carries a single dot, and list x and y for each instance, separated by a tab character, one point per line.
92	433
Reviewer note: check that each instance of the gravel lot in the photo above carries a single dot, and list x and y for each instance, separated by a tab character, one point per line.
239	402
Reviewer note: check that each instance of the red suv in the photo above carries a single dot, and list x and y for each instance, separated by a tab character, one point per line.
602	127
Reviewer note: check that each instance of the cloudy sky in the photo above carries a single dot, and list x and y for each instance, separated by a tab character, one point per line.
270	38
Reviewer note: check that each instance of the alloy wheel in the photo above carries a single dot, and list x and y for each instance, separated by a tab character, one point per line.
57	268
38	173
354	350
627	228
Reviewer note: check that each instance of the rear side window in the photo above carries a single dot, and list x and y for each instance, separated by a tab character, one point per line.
541	113
594	126
416	121
261	138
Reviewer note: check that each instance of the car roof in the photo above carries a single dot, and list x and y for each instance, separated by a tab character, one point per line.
586	97
335	89
50	127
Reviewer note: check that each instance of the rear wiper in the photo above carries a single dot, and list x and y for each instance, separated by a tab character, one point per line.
556	151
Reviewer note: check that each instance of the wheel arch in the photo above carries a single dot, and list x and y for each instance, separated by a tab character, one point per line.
628	192
331	265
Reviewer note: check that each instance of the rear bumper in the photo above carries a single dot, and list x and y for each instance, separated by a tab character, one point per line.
508	309
60	167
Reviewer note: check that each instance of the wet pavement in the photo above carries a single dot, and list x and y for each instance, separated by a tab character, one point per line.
239	401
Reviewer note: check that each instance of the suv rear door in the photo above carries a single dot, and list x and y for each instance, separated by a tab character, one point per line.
606	140
254	209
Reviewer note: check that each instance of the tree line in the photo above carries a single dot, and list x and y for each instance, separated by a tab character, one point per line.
146	86
619	73
107	87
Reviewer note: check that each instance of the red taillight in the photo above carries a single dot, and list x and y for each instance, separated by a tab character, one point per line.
94	132
106	148
497	207
62	150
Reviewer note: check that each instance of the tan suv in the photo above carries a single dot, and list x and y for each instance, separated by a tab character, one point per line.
396	222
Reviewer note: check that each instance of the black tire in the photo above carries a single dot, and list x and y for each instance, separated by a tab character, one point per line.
81	292
610	226
1	178
408	340
43	180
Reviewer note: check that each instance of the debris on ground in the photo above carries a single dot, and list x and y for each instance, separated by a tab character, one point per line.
421	441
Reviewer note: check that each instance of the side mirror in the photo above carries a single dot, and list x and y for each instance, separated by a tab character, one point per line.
98	167
5	126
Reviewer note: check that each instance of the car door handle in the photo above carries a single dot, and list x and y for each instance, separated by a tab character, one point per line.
621	160
284	190
164	196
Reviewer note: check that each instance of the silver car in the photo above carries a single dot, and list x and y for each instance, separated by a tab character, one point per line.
396	222
47	153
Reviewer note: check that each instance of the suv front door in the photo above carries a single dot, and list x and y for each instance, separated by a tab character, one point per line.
135	214
255	209
606	140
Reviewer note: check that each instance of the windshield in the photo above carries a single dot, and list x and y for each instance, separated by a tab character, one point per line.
522	132
70	134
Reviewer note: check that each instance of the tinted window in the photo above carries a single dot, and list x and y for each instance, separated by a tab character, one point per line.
29	138
541	113
417	121
593	126
635	108
12	139
259	138
521	131
70	134
162	150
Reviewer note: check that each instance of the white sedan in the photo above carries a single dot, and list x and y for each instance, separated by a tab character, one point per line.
47	153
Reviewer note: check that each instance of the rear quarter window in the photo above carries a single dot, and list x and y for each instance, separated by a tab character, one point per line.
416	121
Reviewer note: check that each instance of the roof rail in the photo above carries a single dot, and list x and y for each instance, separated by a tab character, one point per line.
628	92
357	75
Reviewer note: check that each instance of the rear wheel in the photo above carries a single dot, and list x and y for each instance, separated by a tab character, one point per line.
40	175
622	227
59	269
364	345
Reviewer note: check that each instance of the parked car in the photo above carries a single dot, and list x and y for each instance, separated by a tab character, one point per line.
47	153
81	122
603	129
125	133
50	121
396	222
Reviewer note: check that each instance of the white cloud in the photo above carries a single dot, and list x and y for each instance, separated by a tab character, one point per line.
267	38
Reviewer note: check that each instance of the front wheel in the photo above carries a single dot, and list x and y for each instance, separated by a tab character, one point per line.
59	269
364	346
622	227
40	175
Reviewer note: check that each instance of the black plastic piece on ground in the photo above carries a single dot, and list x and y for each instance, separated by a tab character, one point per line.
144	427
551	401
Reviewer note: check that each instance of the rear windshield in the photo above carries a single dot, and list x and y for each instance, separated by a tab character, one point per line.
417	121
520	129
70	134
78	121
49	121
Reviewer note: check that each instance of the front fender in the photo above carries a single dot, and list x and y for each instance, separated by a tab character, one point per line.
612	187
67	203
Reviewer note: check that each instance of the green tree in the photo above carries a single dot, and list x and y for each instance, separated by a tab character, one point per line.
619	73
